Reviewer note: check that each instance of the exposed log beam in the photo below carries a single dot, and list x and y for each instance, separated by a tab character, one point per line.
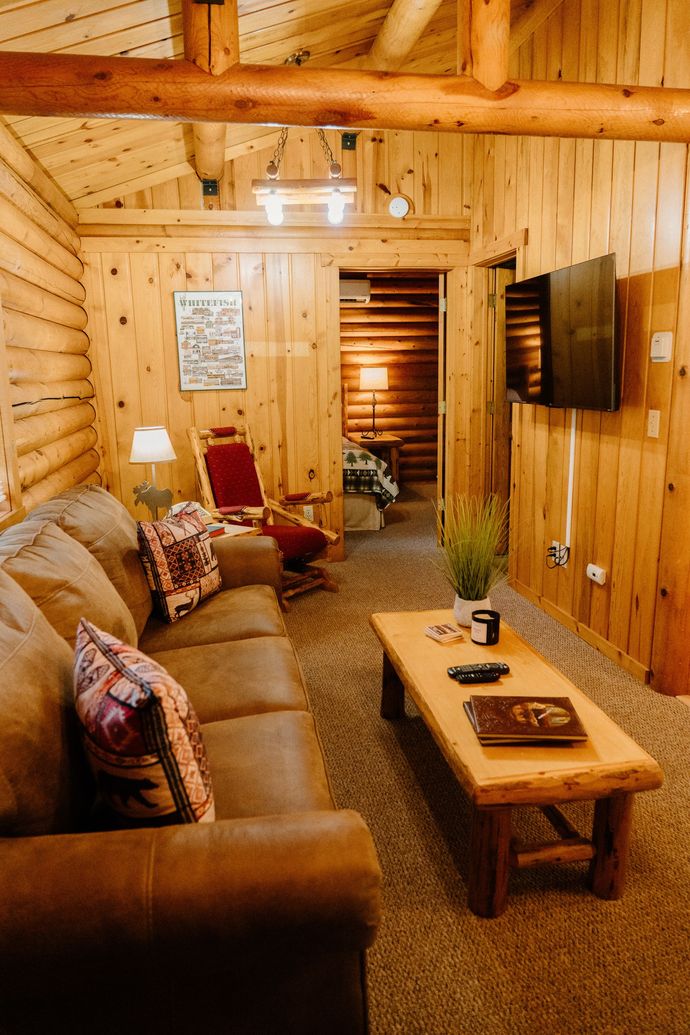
211	35
483	39
404	24
101	87
209	149
212	43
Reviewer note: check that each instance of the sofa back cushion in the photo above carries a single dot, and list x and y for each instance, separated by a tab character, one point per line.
98	521
45	783
63	579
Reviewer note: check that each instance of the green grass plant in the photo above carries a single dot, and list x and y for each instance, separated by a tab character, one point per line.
471	531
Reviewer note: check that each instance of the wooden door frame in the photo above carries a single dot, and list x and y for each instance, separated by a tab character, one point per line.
332	294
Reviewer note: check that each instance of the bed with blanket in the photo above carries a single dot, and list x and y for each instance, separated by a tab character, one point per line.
368	488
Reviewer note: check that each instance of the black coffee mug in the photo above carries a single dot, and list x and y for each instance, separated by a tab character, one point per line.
485	626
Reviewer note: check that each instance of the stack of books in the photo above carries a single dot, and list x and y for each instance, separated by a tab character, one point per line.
523	720
444	632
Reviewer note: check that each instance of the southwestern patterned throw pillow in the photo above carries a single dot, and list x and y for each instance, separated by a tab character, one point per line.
179	561
141	734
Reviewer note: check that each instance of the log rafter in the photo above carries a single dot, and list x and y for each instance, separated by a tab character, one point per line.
402	28
102	87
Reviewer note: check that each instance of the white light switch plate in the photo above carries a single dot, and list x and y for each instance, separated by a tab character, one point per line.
662	347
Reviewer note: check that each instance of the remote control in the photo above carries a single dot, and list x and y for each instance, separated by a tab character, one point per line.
485	672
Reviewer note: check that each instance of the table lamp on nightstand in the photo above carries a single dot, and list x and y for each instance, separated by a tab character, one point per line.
152	446
371	379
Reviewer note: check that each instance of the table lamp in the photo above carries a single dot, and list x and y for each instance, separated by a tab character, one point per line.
371	379
151	446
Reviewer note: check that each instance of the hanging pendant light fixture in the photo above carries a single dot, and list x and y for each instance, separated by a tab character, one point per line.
273	193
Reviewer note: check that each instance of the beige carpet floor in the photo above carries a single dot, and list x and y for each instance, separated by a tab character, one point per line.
559	961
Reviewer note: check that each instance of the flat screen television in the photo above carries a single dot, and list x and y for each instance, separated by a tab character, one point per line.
562	338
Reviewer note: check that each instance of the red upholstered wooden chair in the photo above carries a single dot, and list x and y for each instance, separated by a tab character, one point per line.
231	488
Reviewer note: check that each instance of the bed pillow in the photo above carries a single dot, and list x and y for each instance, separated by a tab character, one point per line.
179	561
141	734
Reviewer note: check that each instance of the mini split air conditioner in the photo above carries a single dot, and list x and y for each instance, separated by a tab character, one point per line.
355	291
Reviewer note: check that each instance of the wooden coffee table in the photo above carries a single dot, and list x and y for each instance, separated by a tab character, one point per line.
609	768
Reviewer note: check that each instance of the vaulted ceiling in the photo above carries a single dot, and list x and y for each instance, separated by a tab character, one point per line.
95	159
136	94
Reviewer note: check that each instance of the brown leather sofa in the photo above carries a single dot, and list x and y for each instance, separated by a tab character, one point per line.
255	923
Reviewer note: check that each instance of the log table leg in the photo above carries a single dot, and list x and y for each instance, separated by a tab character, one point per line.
610	837
392	692
489	861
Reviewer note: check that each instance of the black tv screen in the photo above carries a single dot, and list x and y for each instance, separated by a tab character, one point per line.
561	338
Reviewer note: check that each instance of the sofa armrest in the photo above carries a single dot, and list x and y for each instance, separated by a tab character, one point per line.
71	904
248	561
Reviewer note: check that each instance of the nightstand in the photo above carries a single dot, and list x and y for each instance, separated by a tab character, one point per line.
386	446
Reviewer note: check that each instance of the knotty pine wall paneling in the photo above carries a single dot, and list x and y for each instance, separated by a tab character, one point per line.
289	279
42	296
582	199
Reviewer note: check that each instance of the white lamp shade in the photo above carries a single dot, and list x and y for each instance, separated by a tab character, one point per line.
151	446
373	379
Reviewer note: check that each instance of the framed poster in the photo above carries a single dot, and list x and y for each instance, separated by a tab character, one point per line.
210	340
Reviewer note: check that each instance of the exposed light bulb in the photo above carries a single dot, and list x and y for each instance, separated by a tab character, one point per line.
274	209
336	207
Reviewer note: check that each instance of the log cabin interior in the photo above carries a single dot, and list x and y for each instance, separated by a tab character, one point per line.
103	218
522	136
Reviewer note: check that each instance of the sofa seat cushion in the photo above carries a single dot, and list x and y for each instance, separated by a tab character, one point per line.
141	733
242	677
232	614
45	783
98	521
64	580
264	765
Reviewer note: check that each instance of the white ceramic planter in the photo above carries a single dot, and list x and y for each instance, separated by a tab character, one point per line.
462	609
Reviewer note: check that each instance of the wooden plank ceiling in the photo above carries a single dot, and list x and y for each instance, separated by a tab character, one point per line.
94	160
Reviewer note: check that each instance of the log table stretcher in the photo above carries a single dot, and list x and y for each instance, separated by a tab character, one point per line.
608	768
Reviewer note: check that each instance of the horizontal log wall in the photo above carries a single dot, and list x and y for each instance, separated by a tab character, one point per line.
396	329
162	240
49	372
581	199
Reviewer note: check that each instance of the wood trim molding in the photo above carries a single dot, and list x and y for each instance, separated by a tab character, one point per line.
95	221
99	87
499	250
625	661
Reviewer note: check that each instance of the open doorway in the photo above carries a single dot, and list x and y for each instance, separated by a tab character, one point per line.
392	345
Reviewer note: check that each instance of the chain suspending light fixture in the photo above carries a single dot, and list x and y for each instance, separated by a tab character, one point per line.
273	193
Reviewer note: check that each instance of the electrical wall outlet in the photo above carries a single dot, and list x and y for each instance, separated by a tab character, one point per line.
653	421
596	574
557	554
308	513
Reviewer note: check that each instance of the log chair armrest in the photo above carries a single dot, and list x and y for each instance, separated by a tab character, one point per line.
296	519
240	515
250	560
202	893
305	499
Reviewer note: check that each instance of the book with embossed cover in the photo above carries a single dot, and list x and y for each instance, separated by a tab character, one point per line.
517	720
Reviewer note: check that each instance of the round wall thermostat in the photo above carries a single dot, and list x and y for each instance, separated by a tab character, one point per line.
399	206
